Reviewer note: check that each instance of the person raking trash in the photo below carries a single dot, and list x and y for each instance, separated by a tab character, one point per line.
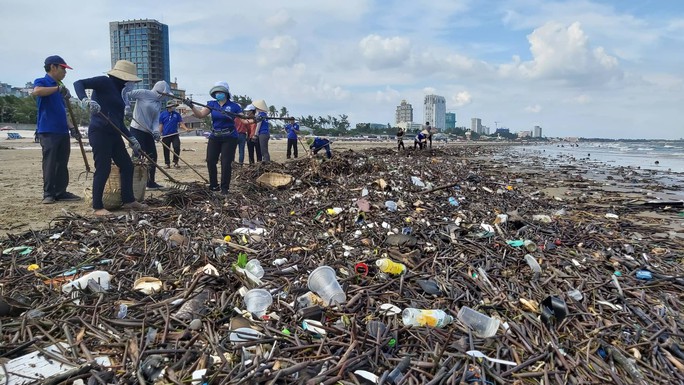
316	144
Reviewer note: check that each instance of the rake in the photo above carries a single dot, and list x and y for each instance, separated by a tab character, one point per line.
80	142
177	184
178	155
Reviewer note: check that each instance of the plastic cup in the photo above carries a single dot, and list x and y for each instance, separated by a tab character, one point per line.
484	326
257	301
254	267
323	282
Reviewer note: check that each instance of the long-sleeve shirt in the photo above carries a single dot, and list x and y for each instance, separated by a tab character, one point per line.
292	130
107	93
147	107
244	126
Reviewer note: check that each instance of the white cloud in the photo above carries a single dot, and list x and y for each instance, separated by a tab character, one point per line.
280	50
564	53
378	52
280	20
461	99
535	109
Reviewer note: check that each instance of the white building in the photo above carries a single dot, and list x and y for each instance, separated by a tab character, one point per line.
476	125
434	108
537	132
404	112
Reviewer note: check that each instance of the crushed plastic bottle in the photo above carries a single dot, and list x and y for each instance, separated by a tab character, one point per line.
644	274
123	311
453	201
417	182
391	205
421	317
388	266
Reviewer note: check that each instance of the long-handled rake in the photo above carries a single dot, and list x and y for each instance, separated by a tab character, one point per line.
173	152
78	138
177	184
231	114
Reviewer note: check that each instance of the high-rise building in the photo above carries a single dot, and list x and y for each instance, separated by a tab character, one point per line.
450	120
537	131
476	125
144	42
404	112
434	108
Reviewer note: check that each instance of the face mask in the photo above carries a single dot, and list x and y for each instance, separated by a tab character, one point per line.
220	96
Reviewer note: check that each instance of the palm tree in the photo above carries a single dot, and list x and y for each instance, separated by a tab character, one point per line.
283	112
272	112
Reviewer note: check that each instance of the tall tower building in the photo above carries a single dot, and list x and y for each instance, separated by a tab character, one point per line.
434	108
144	42
404	112
476	125
450	120
537	132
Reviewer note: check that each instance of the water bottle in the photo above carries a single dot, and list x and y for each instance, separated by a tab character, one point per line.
123	311
391	205
453	201
386	265
420	317
644	274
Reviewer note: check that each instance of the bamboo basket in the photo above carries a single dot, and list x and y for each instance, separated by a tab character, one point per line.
274	180
111	197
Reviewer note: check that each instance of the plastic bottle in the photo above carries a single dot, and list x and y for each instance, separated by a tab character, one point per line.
644	274
123	311
530	246
453	201
483	325
391	205
386	265
420	317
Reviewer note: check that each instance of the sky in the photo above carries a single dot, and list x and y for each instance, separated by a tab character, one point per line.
610	69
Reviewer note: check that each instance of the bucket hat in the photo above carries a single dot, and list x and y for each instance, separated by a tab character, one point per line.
125	70
171	103
250	107
260	105
220	87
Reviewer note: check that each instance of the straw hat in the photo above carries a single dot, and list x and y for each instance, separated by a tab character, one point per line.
220	87
125	70
260	105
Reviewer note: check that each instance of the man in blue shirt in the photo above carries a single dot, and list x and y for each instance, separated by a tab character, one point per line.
53	130
169	120
292	129
317	144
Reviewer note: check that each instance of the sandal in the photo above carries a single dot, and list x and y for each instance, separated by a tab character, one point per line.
102	213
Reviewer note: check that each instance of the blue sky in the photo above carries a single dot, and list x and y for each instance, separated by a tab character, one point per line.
577	68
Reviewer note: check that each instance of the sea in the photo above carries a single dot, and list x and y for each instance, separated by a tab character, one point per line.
659	161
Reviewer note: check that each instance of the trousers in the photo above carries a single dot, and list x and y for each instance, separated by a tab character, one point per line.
56	151
108	147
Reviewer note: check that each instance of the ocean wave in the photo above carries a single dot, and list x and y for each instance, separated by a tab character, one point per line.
645	149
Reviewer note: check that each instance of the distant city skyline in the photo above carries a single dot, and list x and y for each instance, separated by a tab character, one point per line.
591	68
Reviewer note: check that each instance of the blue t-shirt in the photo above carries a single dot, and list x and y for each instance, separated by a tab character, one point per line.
292	130
223	124
319	143
52	117
263	129
170	121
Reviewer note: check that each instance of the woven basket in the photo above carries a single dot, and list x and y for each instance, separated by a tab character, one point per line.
274	180
111	196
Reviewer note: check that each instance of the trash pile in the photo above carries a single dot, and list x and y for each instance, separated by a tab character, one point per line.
432	267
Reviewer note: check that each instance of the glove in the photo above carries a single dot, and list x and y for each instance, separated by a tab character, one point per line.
259	118
188	102
157	136
89	104
134	144
75	133
128	112
64	91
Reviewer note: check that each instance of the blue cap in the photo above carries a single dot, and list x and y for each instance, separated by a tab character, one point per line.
54	59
